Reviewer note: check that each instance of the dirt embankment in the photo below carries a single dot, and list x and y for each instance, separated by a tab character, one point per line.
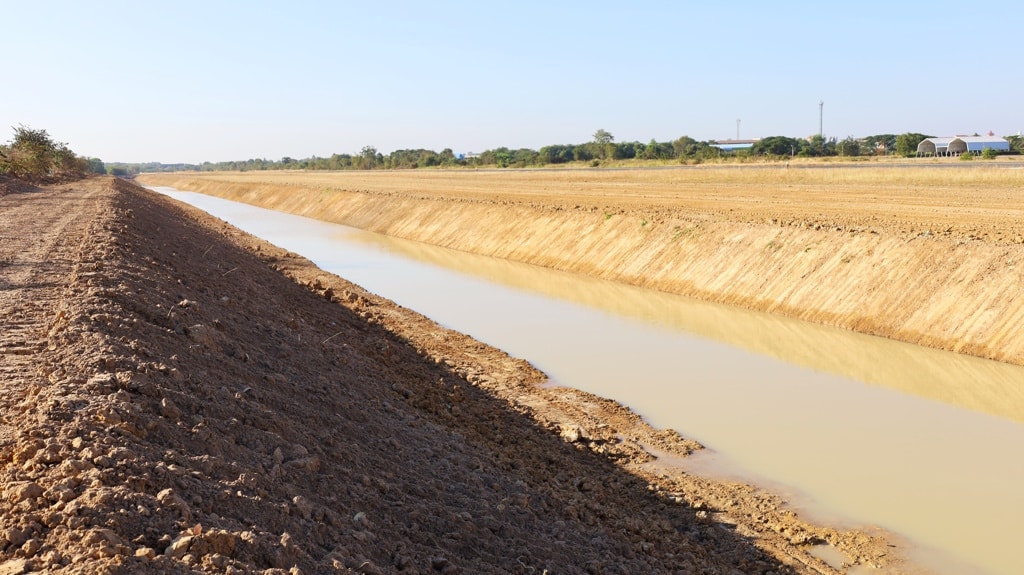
928	256
177	396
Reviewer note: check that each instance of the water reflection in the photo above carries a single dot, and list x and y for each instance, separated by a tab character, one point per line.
931	449
973	383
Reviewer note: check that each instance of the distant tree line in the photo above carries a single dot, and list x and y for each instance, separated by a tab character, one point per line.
34	155
602	148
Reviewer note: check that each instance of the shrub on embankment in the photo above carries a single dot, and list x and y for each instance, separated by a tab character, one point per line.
33	155
942	292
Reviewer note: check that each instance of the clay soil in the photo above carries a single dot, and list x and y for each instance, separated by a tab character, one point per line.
177	396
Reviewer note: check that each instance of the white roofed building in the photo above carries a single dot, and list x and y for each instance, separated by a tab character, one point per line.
961	144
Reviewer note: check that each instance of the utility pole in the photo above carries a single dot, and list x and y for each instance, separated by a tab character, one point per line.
821	115
737	128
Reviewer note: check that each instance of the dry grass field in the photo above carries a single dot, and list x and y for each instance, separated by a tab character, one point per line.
929	254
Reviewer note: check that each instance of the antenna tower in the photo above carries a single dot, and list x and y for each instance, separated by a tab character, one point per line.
821	115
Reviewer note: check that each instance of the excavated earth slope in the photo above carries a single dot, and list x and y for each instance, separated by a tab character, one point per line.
927	255
177	396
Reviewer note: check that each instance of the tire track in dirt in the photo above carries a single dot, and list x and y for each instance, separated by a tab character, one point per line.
40	239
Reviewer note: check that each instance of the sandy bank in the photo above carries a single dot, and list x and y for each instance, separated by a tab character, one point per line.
930	263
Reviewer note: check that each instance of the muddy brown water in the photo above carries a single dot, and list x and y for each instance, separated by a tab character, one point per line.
852	429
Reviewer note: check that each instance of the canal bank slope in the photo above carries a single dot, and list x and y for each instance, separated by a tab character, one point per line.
178	396
937	263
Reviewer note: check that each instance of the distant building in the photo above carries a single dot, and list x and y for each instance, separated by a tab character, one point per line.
961	144
733	145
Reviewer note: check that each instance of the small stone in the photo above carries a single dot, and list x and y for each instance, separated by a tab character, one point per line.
49	456
287	542
103	461
363	536
145	552
572	433
202	335
221	542
179	547
303	506
101	537
31	547
169	410
170	500
14	567
368	568
24	491
15	537
309	464
24	453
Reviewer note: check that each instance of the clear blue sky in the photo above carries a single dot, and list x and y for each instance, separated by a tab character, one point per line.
188	81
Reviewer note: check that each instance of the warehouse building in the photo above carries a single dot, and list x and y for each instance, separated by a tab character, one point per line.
961	144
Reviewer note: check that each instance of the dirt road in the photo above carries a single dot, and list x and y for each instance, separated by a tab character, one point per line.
181	397
40	241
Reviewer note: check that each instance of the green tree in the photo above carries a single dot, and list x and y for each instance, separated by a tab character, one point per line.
367	158
848	147
582	153
604	146
655	150
881	144
447	157
502	157
906	144
778	146
625	150
66	163
524	157
989	153
1016	144
556	154
32	152
815	146
684	146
